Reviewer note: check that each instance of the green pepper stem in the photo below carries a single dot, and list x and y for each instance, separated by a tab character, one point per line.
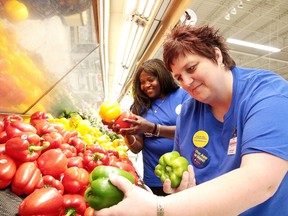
98	156
169	169
32	147
70	211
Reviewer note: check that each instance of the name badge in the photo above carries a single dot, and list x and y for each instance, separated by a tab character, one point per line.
232	146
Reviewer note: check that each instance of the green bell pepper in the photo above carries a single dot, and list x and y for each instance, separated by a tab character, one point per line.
171	166
101	193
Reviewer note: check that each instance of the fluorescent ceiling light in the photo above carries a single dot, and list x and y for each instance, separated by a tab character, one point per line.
233	11
253	45
148	8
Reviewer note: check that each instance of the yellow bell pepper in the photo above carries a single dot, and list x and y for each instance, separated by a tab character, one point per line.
15	10
118	142
63	121
83	127
74	121
122	151
109	111
103	139
89	139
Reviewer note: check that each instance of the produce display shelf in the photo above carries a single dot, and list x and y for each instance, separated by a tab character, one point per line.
9	202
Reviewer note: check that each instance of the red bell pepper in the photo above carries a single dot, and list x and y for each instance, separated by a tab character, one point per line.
127	160
38	117
11	118
58	126
75	179
82	191
94	156
54	138
44	201
73	133
65	134
79	144
76	161
7	170
113	159
17	127
50	181
26	179
52	162
68	150
123	165
44	127
113	152
3	137
2	148
2	126
127	167
25	147
73	204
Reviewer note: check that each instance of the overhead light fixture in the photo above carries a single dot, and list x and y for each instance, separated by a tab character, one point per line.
189	17
240	4
253	45
233	11
145	8
132	34
227	16
135	33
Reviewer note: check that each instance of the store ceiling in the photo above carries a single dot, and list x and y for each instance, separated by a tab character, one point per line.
165	14
67	55
258	21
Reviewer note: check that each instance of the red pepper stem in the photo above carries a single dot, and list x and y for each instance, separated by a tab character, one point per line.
32	148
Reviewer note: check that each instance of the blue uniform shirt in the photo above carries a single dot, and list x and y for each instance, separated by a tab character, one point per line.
258	117
167	111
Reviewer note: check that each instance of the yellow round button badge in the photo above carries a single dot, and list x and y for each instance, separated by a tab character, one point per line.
200	139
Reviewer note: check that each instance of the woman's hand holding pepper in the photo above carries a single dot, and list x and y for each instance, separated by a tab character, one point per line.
140	125
108	124
133	199
188	180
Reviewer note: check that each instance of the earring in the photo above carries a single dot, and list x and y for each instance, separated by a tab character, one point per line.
222	65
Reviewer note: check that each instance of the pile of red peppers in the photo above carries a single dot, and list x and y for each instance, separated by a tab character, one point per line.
49	166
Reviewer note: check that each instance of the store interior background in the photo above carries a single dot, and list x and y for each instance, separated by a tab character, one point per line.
84	59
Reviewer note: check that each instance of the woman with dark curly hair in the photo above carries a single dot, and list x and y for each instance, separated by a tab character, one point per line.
157	104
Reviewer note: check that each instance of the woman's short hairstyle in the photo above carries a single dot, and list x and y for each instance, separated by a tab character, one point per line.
199	40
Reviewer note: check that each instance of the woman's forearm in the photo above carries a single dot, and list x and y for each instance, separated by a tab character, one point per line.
167	131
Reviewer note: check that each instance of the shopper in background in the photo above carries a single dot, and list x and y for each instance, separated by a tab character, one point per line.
233	131
157	104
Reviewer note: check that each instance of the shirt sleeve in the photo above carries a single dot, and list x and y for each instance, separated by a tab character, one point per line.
265	127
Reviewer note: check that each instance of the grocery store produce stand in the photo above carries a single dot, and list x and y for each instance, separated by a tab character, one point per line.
9	201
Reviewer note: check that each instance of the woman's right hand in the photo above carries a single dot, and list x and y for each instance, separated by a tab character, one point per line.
188	180
140	125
